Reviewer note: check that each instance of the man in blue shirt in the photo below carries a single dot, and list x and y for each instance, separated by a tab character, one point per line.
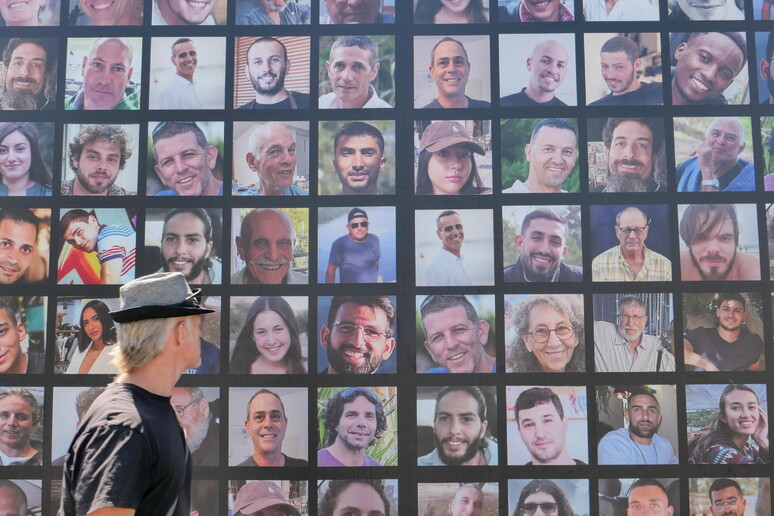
357	254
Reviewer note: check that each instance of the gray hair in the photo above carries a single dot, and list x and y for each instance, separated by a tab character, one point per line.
729	119
141	341
258	135
362	42
125	42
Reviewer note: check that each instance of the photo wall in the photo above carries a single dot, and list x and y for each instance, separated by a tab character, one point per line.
491	257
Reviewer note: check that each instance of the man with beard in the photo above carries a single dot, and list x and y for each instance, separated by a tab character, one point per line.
631	261
620	65
547	67
543	428
450	69
640	443
716	165
647	497
266	66
459	430
353	64
186	246
350	351
272	12
542	244
632	148
97	155
626	347
201	430
18	243
354	420
180	92
29	75
455	336
107	71
731	346
358	158
183	12
357	254
266	424
272	156
448	267
726	498
711	232
766	70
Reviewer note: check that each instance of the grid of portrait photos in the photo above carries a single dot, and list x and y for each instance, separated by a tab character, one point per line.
465	257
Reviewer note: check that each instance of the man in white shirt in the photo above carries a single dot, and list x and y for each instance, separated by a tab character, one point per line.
352	66
551	153
620	10
447	268
180	91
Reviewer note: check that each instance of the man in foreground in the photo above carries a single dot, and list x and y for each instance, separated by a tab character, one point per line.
129	455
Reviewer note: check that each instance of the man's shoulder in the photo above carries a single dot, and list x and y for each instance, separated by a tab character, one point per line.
434	104
292	462
513	273
569	272
296	278
475	103
616	438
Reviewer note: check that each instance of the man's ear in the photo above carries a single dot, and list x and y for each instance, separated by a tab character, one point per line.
484	424
325	334
239	249
388	348
22	331
680	50
764	69
249	158
483	331
204	407
212	156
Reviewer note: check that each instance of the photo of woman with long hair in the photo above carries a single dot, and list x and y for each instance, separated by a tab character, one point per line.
450	11
97	333
544	496
23	171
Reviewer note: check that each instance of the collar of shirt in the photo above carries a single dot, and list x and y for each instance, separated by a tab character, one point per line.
564	14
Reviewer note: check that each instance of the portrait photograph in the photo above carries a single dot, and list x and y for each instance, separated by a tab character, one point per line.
723	331
276	495
547	426
685	10
23	331
539	155
524	11
84	13
22	90
761	10
457	426
764	52
40	13
533	346
624	69
356	245
246	424
719	242
366	496
537	73
339	408
634	332
616	495
767	138
26	261
30	490
727	423
445	161
174	12
369	11
457	333
444	258
442	498
187	73
637	424
100	159
714	154
770	237
452	71
269	335
356	157
26	446
273	12
718	494
621	10
27	158
564	495
467	11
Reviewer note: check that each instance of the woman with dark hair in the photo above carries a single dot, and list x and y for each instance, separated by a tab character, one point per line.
545	496
726	440
451	11
446	165
22	169
97	333
268	342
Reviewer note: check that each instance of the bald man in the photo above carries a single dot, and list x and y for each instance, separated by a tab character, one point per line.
13	501
272	156
547	67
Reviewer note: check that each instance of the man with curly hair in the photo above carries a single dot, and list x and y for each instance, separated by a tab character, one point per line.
97	155
354	420
361	496
29	75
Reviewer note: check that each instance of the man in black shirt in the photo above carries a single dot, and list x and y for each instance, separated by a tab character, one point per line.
266	424
266	67
450	69
547	67
620	63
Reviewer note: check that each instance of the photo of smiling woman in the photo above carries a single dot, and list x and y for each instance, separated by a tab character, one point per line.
547	334
23	170
269	341
450	11
97	333
736	433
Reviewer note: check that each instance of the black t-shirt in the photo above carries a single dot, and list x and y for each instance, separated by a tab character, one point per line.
129	452
521	99
472	104
649	94
302	102
727	356
290	462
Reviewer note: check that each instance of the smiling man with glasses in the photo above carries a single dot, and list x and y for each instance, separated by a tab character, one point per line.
357	254
726	498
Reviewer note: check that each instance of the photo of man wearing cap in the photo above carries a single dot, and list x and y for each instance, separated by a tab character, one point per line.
263	498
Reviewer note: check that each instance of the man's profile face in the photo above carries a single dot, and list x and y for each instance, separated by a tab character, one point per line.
636	225
358	228
706	65
189	12
26	72
98	165
11	335
548	64
543	10
352	11
619	73
542	246
350	73
183	166
275	162
450	69
106	72
11	504
184	247
552	156
266	424
358	161
101	12
16	423
17	248
714	253
542	431
648	501
468	501
269	250
357	426
631	321
451	232
358	352
359	499
726	139
458	429
644	416
20	14
727	502
731	315
631	152
82	234
185	59
453	341
267	66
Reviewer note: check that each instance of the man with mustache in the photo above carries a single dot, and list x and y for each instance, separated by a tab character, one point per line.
356	255
358	158
97	155
272	157
459	430
547	67
448	266
542	244
711	232
353	11
266	66
450	69
620	64
730	346
706	63
180	92
266	242
354	420
266	424
201	429
633	149
272	12
183	12
353	64
716	165
640	443
106	71
29	75
18	243
726	498
186	246
631	260
350	350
